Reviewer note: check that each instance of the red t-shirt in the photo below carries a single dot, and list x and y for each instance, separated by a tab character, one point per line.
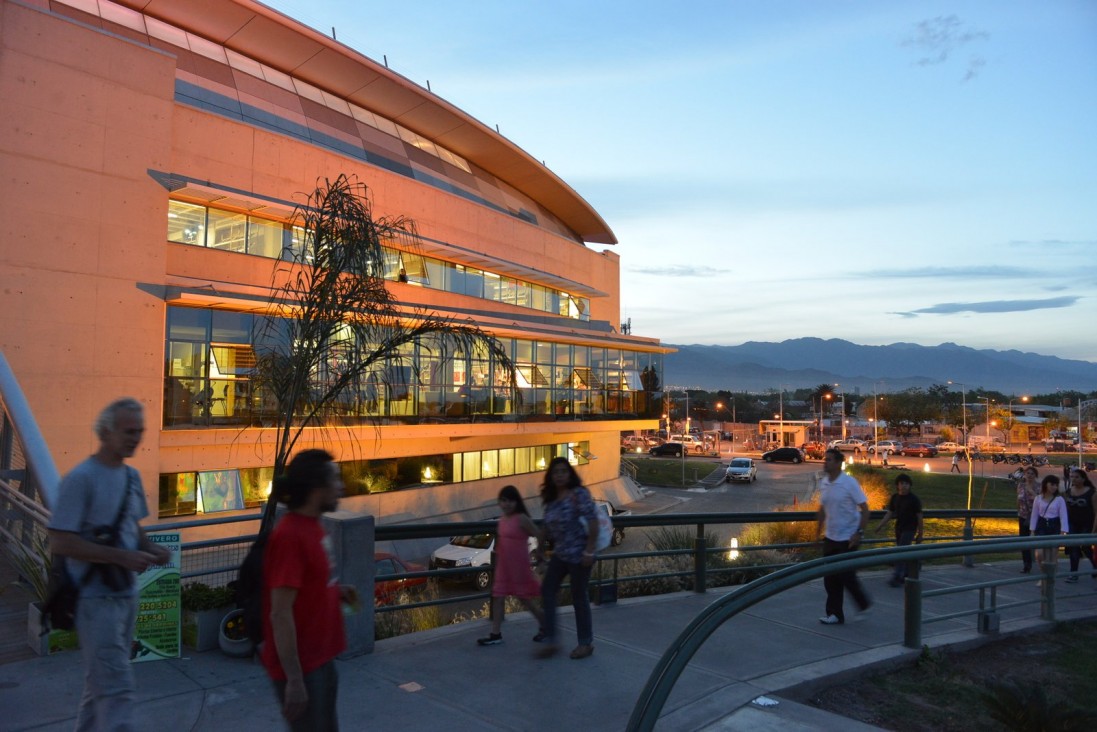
297	557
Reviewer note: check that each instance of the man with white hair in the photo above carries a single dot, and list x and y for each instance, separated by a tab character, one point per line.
95	525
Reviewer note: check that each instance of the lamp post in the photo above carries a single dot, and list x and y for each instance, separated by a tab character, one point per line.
1009	429
1082	404
989	400
843	411
969	530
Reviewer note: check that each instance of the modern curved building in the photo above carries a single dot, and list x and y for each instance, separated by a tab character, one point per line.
153	152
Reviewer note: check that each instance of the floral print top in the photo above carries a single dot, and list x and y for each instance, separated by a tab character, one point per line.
562	525
1025	497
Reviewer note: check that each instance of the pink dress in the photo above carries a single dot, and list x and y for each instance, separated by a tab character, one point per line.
513	575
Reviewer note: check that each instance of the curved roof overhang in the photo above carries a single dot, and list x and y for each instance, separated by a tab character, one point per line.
256	31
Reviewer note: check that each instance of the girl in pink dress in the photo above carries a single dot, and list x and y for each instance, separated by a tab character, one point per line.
513	575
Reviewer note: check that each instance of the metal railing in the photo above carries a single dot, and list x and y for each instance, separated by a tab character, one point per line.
674	660
28	475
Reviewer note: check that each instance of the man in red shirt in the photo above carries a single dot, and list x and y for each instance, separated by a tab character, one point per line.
301	595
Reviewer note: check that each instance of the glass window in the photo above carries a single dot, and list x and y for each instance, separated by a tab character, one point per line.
506	461
188	324
523	294
177	496
186	223
489	464
293	243
438	274
493	287
474	282
470	466
228	231
219	490
265	238
229	327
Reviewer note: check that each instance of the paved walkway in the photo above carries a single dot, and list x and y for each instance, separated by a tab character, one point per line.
441	680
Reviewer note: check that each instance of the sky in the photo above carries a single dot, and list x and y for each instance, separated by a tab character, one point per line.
880	172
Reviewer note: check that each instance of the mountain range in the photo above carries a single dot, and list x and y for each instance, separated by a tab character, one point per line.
807	362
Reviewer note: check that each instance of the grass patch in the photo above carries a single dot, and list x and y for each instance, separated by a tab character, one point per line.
668	472
1040	681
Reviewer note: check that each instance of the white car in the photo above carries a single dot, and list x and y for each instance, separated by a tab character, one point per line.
850	445
473	552
690	442
949	447
741	469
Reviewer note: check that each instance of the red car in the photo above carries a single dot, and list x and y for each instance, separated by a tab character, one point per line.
392	592
919	449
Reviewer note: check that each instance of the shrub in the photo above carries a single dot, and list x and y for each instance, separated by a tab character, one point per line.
197	597
400	622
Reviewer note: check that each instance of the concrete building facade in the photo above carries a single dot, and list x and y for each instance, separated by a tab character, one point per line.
153	153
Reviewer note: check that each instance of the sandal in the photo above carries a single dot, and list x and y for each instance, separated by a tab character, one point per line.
582	651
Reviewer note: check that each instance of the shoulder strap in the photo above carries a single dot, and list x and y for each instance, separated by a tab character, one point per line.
130	472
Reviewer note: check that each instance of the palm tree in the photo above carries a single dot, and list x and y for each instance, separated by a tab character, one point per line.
334	333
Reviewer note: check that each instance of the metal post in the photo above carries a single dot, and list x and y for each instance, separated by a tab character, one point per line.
912	612
699	559
1047	590
969	536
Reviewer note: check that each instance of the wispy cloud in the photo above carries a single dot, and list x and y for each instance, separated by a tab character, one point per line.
679	270
937	273
937	39
1060	243
992	306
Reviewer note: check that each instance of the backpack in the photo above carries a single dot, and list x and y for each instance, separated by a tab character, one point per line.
605	527
248	589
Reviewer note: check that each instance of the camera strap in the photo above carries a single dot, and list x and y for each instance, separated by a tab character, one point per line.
130	473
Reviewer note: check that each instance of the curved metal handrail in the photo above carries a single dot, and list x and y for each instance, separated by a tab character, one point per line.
675	659
40	466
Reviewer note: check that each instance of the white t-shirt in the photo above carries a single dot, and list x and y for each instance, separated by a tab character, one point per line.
841	499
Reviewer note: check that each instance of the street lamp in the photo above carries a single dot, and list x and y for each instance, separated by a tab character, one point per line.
989	400
969	530
1009	433
963	407
843	412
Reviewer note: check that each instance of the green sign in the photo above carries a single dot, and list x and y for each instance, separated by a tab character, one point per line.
158	612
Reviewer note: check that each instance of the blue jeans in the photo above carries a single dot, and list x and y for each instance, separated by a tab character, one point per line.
322	686
105	625
904	569
580	598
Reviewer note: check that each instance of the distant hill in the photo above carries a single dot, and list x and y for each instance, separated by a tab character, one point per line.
807	362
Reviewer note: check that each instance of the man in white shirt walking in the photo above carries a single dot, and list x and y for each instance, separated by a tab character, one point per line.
843	515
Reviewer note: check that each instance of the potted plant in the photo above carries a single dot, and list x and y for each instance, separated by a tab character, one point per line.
203	608
33	567
233	638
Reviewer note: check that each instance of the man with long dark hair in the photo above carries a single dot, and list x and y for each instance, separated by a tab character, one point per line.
301	597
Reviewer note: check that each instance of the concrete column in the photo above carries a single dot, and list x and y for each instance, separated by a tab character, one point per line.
352	549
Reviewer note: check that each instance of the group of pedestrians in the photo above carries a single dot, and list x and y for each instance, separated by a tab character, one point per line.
570	524
1050	509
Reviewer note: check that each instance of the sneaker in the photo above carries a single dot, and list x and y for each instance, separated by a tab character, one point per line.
540	637
1072	579
1026	570
492	640
831	620
862	614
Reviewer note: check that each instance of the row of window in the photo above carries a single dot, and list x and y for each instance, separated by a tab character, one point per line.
213	491
160	30
210	362
204	226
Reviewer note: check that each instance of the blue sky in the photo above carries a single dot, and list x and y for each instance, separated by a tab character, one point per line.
875	171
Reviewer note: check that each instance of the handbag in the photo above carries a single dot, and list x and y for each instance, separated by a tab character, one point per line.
63	593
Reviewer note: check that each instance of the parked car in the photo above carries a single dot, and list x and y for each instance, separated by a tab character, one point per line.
814	450
741	469
692	443
949	446
891	446
389	592
618	531
784	454
850	445
473	552
677	449
633	443
918	449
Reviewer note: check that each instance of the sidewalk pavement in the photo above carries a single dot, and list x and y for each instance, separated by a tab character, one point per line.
441	680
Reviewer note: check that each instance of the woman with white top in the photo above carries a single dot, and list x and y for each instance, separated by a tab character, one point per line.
1049	516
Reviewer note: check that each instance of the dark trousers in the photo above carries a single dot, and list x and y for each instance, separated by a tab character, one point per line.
1077	552
322	686
580	598
1023	530
836	584
904	569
